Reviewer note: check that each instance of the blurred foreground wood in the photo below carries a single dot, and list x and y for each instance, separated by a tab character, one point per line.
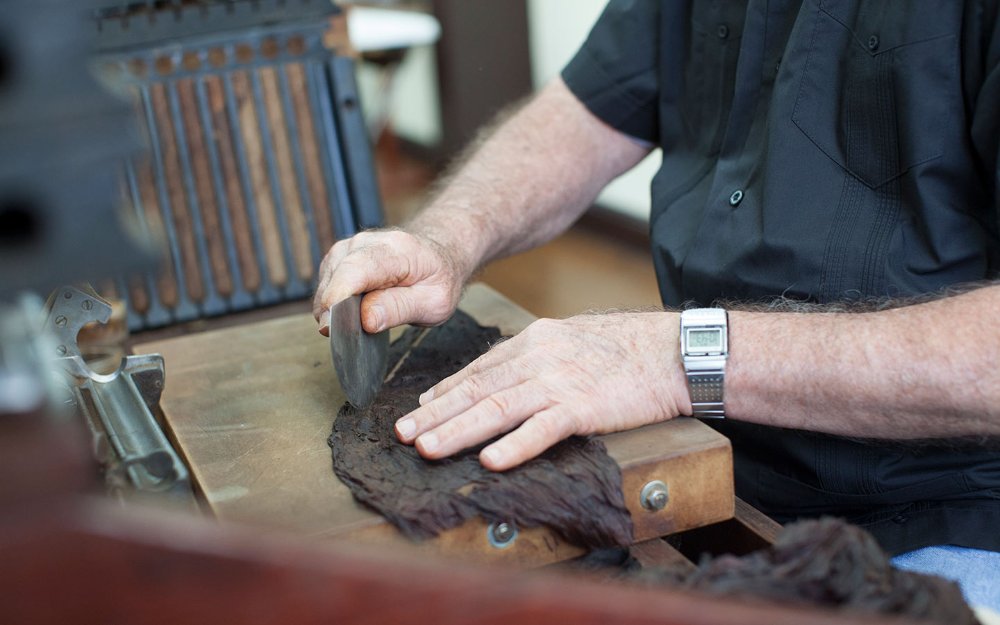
66	556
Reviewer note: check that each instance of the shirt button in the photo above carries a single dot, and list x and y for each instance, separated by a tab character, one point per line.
873	43
736	197
722	31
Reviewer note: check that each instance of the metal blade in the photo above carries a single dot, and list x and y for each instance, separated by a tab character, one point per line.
359	358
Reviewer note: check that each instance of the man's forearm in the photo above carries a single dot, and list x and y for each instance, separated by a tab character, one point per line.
920	371
526	181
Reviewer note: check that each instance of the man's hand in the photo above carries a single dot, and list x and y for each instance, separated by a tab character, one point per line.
584	375
409	279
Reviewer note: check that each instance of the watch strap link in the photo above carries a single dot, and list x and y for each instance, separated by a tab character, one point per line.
706	394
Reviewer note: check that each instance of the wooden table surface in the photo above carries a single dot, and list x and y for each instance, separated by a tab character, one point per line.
250	409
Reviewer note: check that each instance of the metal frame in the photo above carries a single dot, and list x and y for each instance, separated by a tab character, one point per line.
134	65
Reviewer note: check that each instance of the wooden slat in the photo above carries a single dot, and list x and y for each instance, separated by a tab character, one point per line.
657	553
176	192
200	168
166	282
262	191
234	193
758	523
284	160
308	138
748	530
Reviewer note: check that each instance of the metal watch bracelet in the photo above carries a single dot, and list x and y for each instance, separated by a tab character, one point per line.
704	350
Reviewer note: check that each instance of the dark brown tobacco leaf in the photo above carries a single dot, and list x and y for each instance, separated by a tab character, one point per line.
574	488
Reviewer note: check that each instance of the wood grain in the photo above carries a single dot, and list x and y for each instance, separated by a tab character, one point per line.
262	191
309	138
251	408
748	531
201	171
175	190
223	129
291	202
657	553
166	281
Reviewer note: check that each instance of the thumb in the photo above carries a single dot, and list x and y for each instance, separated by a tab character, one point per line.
396	306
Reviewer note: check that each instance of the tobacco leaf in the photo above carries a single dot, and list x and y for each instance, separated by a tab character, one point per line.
574	488
825	562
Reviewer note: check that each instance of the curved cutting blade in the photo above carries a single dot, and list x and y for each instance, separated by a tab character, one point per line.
359	358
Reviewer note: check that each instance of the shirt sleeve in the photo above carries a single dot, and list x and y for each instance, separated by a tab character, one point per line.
615	73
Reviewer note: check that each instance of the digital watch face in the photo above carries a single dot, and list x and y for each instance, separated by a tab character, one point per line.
704	340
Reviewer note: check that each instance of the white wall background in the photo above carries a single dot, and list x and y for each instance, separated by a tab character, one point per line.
414	107
557	28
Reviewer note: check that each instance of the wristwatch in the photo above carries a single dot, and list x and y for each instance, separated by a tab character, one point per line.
704	350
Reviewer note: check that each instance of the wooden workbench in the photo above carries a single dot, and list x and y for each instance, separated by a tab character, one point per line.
250	408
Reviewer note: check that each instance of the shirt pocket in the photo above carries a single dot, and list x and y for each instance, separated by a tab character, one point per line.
875	86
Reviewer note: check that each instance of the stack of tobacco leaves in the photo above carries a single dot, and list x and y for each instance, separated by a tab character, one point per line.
825	562
574	488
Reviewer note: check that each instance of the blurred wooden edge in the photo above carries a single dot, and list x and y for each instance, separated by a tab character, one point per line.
94	561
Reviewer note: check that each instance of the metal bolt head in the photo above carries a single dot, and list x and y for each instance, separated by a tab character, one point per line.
87	304
61	350
68	294
501	534
654	495
61	321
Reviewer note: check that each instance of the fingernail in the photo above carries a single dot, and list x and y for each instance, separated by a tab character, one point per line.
429	442
426	396
376	317
492	456
406	428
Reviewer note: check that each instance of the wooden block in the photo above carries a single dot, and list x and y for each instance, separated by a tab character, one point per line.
251	407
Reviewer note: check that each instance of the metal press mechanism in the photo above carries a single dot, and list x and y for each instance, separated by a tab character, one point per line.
119	407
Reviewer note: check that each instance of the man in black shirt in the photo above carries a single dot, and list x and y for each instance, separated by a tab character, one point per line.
822	151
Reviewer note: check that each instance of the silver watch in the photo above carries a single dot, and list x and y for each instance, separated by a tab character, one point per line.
704	350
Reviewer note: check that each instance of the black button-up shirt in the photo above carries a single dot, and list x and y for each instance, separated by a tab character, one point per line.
822	150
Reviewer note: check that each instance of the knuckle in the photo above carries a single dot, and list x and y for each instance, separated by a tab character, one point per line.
452	432
497	405
540	329
472	388
543	324
340	246
397	238
426	418
397	308
577	424
551	425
